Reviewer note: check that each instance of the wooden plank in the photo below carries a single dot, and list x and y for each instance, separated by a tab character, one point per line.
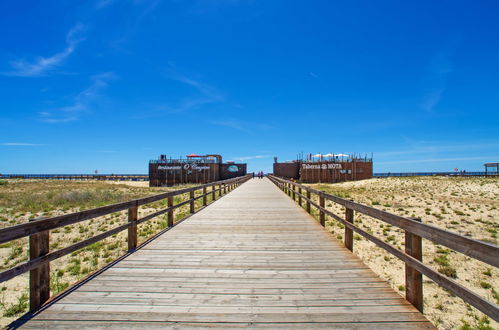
483	251
22	230
132	230
33	263
252	258
413	278
348	231
39	278
170	213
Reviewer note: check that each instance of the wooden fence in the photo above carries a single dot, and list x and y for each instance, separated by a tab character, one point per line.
38	232
70	177
412	256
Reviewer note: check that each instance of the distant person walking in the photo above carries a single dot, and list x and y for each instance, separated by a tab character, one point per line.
253	175
260	174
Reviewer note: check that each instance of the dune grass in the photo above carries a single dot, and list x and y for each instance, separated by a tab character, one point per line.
22	200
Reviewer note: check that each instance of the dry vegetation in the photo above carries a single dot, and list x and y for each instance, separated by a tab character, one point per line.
468	206
22	200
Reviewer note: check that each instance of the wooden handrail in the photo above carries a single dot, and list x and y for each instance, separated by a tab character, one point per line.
415	230
38	231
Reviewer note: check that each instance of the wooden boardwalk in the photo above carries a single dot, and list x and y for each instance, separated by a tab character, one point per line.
253	258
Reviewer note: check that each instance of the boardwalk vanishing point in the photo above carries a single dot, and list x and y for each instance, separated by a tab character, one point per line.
251	259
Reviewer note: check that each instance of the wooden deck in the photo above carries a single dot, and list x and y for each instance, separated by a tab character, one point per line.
254	258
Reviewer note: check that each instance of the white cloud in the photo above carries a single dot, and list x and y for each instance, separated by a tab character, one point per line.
81	102
206	94
42	65
421	147
436	81
251	157
313	75
437	160
20	144
231	123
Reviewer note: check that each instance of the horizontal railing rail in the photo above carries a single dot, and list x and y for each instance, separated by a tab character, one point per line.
105	177
412	256
38	232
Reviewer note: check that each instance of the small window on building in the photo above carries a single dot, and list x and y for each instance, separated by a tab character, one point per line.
360	170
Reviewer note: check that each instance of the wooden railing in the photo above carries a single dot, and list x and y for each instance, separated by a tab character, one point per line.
412	256
38	232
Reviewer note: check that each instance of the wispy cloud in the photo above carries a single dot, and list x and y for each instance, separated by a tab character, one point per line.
139	10
231	123
20	144
244	158
437	160
81	102
43	65
205	94
101	4
243	126
313	75
422	147
436	81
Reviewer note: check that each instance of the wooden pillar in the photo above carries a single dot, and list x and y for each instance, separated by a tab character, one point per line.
39	278
413	278
204	196
132	230
220	190
299	196
348	231
308	201
322	215
213	192
170	213
191	197
294	193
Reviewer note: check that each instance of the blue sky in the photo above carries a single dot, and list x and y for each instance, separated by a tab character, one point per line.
110	84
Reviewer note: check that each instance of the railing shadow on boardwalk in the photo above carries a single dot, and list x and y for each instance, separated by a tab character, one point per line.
412	256
38	232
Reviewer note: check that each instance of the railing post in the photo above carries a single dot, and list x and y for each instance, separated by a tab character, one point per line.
191	196
413	278
204	196
132	230
348	231
294	193
39	278
213	193
299	196
170	213
225	188
308	201
220	190
322	204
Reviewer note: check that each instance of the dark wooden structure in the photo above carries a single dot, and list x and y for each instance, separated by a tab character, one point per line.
327	169
193	169
290	170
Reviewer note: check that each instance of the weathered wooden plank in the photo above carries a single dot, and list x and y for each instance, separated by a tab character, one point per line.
253	258
50	324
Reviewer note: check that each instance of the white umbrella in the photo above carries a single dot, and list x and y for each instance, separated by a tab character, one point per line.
317	156
341	155
329	155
